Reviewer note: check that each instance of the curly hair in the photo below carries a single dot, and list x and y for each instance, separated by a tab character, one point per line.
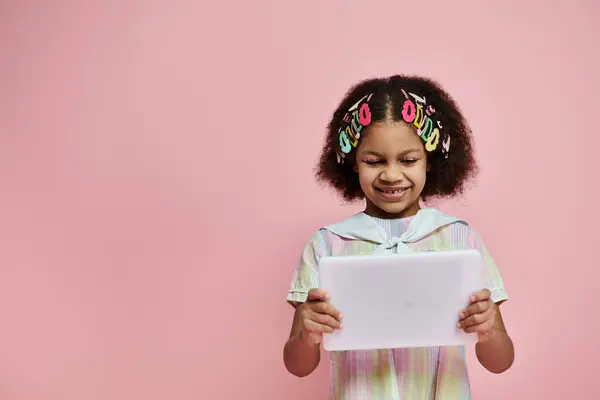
447	173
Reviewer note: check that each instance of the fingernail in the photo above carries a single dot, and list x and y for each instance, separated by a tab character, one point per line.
327	296
472	298
341	316
341	326
458	324
462	315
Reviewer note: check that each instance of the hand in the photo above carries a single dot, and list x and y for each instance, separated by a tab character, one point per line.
318	316
480	316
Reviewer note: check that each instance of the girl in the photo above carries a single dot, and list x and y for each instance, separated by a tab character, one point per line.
395	142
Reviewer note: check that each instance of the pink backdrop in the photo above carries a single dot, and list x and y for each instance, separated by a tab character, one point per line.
156	184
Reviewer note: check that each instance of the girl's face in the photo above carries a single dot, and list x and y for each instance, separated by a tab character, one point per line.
392	165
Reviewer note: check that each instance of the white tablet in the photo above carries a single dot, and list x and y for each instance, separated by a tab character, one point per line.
400	300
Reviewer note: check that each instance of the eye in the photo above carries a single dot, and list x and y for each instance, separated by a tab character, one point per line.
372	162
410	160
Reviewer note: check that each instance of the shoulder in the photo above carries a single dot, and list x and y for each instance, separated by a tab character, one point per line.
462	235
322	238
459	230
328	235
347	228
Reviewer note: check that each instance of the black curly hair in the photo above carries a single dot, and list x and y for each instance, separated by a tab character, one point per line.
448	173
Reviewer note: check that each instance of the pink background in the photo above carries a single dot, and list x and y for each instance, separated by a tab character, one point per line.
156	184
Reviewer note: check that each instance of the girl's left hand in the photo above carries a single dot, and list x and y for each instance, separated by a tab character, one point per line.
480	316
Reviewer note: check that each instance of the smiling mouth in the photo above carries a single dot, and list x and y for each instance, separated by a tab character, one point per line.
392	191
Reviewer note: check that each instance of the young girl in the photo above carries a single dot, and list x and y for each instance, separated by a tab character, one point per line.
394	142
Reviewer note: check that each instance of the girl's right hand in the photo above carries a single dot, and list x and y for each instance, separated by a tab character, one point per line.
318	316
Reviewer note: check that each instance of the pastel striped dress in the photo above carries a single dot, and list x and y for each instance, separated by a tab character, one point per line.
435	373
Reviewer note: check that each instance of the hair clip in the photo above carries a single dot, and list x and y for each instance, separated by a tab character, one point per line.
416	112
357	117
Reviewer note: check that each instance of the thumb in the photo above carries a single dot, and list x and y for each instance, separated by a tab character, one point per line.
317	295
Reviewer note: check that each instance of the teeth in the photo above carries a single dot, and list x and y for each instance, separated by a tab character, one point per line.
393	191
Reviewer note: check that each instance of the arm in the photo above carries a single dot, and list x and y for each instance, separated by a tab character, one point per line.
494	349
314	314
497	353
300	356
302	351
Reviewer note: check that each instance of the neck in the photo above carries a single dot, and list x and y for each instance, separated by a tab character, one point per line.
372	210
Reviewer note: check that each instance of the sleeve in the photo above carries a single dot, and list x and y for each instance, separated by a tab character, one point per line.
306	275
491	274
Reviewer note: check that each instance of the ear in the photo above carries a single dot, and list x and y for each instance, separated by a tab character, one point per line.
355	168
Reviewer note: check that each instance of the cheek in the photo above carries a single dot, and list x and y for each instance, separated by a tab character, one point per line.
418	175
367	176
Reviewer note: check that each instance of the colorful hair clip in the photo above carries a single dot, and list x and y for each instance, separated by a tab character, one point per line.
357	117
416	112
420	114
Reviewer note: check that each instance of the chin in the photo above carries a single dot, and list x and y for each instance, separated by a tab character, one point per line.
391	208
398	208
394	209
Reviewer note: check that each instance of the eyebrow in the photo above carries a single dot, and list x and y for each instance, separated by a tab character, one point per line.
371	153
374	153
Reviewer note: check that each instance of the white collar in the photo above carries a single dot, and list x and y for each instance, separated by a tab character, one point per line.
360	226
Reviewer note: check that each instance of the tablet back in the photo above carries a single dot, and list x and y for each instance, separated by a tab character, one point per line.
400	300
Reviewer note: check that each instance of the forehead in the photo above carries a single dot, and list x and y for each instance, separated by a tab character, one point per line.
390	136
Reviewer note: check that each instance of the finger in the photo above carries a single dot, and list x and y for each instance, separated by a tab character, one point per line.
325	319
314	327
476	319
480	296
317	295
481	328
476	308
326	308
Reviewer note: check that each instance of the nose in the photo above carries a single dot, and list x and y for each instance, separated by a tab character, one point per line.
392	173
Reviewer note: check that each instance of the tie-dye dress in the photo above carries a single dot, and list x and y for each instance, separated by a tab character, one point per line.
434	373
